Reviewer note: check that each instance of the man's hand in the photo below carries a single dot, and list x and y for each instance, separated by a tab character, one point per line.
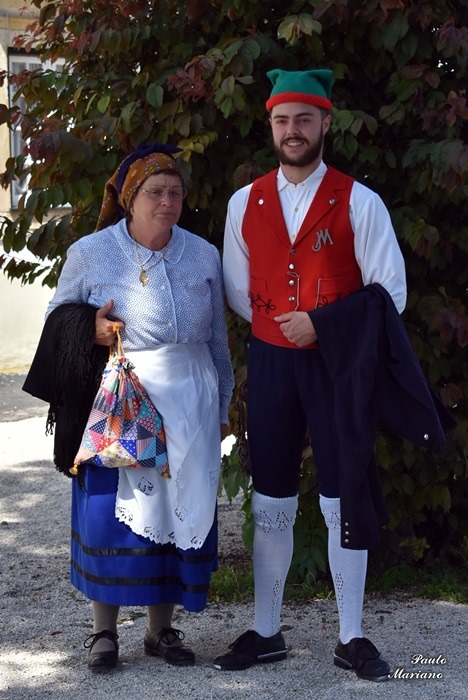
105	333
297	327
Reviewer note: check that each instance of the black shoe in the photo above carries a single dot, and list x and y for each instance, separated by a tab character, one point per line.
361	656
251	648
102	660
167	644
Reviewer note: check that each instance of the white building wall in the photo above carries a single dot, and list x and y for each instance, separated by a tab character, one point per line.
14	19
22	307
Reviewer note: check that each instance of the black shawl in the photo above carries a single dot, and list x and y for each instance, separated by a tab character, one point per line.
66	373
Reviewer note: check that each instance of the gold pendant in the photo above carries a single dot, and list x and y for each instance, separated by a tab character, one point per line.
144	279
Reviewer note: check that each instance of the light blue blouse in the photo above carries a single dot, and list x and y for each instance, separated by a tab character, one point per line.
183	301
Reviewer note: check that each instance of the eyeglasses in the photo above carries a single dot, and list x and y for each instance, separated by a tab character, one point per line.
176	194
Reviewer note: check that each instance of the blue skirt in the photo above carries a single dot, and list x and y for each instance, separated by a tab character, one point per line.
111	564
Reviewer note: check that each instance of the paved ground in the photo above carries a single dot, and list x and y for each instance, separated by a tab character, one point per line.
22	309
16	404
43	620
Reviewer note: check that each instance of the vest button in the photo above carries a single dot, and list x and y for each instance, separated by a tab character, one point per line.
293	251
291	283
292	298
291	266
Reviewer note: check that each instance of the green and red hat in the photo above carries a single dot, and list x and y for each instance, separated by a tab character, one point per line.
312	87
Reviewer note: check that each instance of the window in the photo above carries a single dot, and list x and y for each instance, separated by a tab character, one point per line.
16	64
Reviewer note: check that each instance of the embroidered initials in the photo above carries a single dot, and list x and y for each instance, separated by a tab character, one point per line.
323	237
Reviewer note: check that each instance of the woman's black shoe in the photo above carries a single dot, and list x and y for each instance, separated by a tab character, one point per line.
102	660
168	644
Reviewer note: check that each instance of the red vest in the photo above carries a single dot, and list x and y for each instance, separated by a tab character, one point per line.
317	269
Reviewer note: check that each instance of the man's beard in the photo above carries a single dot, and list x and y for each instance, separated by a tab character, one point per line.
309	156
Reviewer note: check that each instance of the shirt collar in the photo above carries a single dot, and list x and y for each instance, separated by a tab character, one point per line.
173	251
310	182
176	245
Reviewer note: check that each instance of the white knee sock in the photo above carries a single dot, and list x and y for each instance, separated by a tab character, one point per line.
272	552
348	568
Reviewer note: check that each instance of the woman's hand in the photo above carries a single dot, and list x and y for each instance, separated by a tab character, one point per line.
105	329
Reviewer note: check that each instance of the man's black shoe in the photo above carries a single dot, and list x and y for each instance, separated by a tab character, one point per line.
361	656
251	648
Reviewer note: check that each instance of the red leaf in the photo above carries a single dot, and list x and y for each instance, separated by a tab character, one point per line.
451	394
82	42
432	79
414	71
451	38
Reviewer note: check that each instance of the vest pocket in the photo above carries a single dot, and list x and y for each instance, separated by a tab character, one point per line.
330	289
259	296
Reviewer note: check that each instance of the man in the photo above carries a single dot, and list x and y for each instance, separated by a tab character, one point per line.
297	239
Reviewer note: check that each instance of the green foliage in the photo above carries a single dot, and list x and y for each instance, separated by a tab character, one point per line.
193	73
429	581
234	583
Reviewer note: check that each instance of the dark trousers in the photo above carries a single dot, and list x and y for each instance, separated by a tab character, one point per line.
288	391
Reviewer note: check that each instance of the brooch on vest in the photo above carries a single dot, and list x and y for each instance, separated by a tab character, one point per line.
323	238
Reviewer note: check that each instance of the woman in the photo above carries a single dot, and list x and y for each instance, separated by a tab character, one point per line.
132	544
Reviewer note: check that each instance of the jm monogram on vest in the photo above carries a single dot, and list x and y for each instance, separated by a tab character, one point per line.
317	269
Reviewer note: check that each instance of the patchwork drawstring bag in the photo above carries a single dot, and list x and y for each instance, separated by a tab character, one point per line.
124	428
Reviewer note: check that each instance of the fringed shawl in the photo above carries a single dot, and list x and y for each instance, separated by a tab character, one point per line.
66	372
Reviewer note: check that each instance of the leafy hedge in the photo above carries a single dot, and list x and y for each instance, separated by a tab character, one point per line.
193	73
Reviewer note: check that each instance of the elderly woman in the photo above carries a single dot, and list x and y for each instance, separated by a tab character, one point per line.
153	544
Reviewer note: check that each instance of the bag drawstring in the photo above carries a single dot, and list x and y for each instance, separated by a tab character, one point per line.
116	348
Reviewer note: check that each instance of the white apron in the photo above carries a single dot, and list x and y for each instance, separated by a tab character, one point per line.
182	383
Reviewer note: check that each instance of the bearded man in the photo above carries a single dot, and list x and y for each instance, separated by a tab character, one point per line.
297	240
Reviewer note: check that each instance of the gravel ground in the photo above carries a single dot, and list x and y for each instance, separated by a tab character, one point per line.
44	620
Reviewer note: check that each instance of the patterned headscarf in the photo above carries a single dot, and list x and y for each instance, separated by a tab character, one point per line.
131	173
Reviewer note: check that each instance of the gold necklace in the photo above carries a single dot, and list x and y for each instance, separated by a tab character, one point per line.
143	276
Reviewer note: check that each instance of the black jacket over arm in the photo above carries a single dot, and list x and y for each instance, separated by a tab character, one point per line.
378	383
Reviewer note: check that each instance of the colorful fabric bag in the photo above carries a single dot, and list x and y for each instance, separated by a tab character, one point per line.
124	429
